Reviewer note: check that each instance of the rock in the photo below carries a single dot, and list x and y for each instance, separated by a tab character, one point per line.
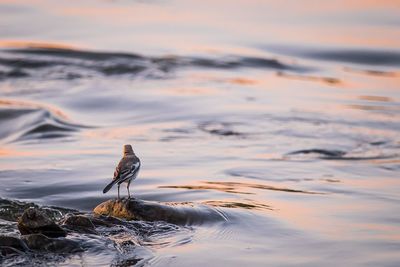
35	221
80	223
79	220
42	243
102	220
13	242
11	210
136	209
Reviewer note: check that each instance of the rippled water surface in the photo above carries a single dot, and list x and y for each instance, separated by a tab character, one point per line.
284	118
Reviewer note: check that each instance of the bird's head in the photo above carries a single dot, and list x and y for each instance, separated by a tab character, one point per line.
128	150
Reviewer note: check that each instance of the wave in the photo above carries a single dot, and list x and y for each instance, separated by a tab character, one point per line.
219	128
368	57
23	122
70	64
328	154
360	56
321	152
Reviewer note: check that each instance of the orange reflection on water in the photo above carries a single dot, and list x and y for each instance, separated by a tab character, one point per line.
242	204
237	187
242	81
326	80
10	152
32	44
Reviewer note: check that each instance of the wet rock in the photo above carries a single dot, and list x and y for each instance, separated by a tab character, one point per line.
12	242
79	223
132	209
42	243
35	221
101	220
11	210
6	251
136	209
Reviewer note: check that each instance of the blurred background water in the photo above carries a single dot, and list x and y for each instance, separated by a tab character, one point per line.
282	115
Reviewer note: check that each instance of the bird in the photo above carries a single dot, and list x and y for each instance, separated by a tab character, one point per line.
126	170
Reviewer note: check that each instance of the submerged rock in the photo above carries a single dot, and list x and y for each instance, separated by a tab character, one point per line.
136	209
6	251
11	245
36	221
43	243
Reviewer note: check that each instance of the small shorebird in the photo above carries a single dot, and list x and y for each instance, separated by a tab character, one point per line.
126	171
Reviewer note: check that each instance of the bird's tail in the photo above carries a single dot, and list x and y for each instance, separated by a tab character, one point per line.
108	187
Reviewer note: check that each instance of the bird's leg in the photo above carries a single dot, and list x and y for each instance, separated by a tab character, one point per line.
118	191
127	187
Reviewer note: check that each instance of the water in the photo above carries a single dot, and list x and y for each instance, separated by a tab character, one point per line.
284	118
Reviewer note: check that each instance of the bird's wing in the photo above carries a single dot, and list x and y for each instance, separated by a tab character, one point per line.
126	169
122	168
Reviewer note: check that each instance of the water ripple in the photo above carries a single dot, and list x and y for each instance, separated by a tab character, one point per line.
237	187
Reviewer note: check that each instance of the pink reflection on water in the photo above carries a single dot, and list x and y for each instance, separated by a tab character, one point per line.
336	219
187	26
